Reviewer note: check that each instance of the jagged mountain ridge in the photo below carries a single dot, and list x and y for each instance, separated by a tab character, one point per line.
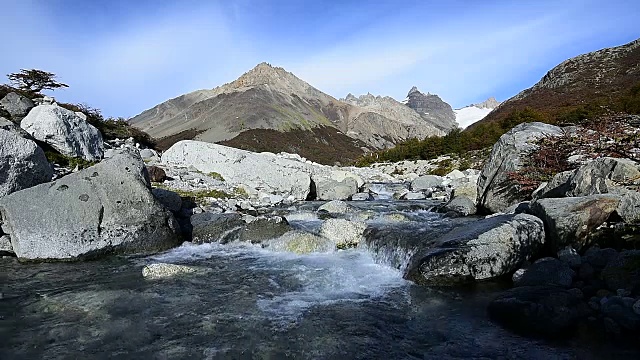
602	76
432	109
268	97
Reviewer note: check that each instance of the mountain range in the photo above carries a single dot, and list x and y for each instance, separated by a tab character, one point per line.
270	109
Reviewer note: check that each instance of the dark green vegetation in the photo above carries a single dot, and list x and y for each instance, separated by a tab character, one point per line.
324	145
164	143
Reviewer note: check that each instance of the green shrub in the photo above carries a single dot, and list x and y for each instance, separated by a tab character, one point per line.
67	161
215	175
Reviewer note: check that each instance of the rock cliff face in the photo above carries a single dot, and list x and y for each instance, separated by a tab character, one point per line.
432	109
271	98
602	76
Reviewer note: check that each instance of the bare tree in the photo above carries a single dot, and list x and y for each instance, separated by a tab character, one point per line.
34	80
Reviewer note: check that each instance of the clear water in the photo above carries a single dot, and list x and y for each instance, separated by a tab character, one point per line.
255	304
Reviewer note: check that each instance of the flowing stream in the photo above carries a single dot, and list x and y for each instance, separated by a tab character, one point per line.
252	303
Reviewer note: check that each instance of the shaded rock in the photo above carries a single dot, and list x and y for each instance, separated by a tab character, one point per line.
209	227
163	270
557	187
621	311
570	256
461	205
547	271
22	164
598	257
63	130
104	209
263	171
156	174
547	311
623	271
519	208
16	105
629	207
343	233
169	199
5	245
496	191
327	189
479	250
569	221
11	127
426	182
264	228
301	242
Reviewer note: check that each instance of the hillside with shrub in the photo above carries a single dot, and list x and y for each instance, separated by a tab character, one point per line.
579	91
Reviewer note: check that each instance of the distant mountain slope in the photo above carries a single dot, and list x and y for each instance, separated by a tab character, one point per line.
599	77
270	98
475	112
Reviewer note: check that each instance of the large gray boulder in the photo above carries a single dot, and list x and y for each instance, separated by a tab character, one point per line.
107	208
328	189
496	191
16	105
602	176
569	221
629	207
65	131
344	233
22	164
426	182
478	250
260	171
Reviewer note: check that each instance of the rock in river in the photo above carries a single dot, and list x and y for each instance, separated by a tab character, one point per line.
107	208
478	250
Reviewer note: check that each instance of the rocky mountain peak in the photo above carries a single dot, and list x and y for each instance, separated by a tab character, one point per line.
490	103
413	90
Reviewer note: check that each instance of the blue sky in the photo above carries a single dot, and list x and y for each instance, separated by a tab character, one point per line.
124	56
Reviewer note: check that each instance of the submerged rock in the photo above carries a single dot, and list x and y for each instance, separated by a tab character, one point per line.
336	207
301	242
548	311
104	209
163	270
343	233
22	164
478	250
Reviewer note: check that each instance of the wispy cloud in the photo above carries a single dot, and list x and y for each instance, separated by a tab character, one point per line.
138	54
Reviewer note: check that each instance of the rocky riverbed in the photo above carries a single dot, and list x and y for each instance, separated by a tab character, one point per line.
348	262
